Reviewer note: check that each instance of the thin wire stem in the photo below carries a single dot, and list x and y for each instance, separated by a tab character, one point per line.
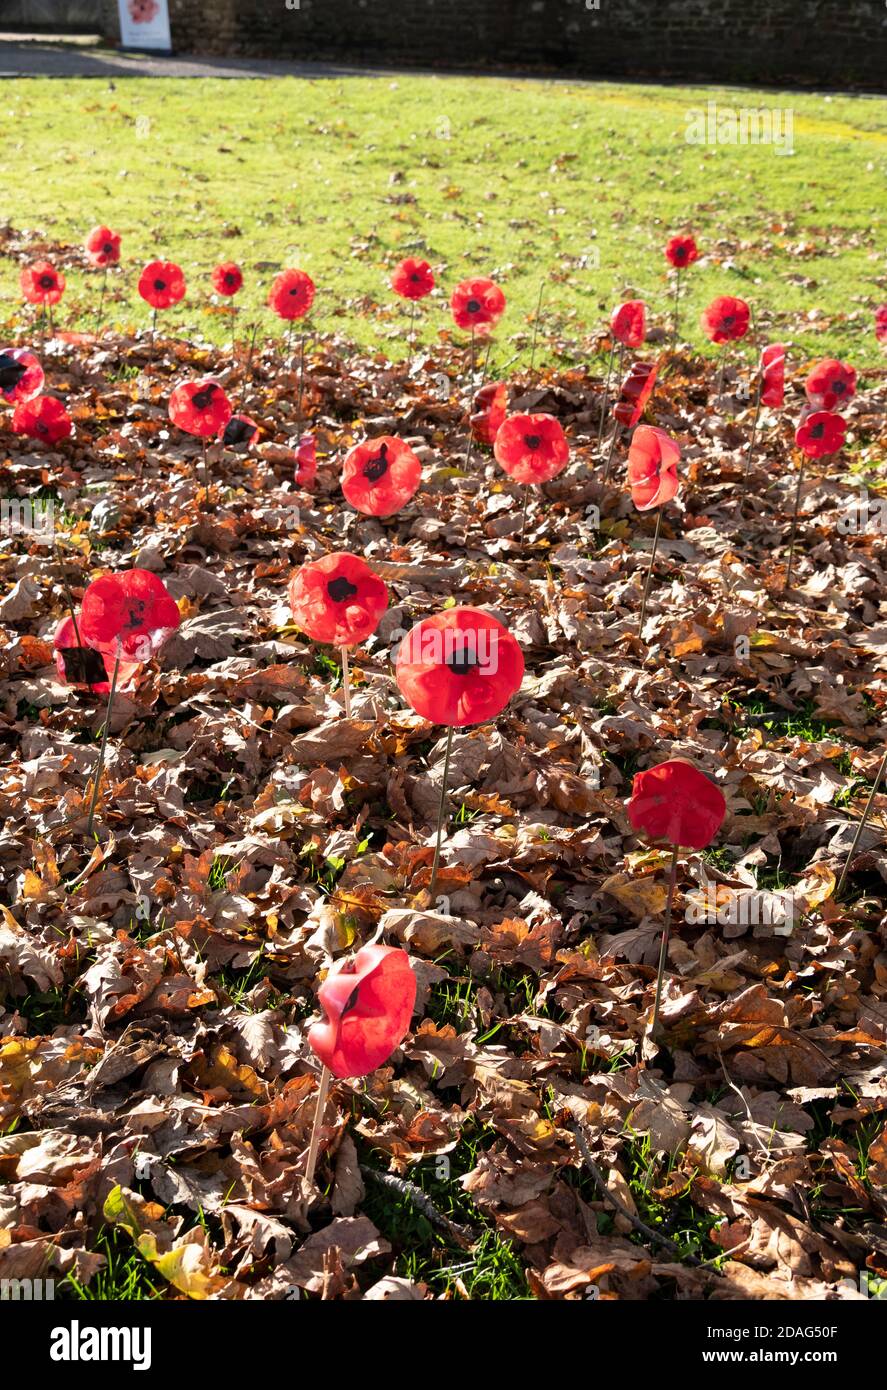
440	814
649	573
859	829
720	385
791	548
666	932
346	684
536	325
523	514
677	301
606	400
323	1088
101	763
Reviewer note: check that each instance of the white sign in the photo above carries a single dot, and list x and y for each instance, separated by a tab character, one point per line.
144	24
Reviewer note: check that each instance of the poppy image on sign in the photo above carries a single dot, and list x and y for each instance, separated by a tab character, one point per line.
681	251
477	304
338	599
41	283
103	247
162	284
531	448
292	294
227	278
725	319
413	279
459	667
380	475
821	433
200	408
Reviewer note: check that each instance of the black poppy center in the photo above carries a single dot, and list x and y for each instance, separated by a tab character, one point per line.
377	467
160	284
532	441
108	248
681	253
237	431
728	320
817	431
474	306
839	387
47	282
11	372
463	662
415	277
136	608
203	399
230	278
341	589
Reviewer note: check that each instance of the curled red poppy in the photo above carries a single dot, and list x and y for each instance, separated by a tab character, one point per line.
132	608
677	803
227	278
306	461
821	433
21	375
368	1001
459	667
240	432
652	468
725	319
477	304
628	322
43	418
830	383
637	388
162	284
200	407
490	407
41	283
337	599
531	448
292	294
380	475
73	662
681	251
413	279
773	376
881	323
103	246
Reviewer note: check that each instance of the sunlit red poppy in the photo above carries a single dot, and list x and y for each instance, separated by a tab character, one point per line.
652	468
459	667
337	599
678	803
162	284
490	408
75	664
830	384
227	278
43	418
628	323
292	294
306	461
773	376
21	375
821	433
380	475
103	246
637	388
881	323
725	319
41	283
531	448
413	279
477	304
681	251
368	1002
240	432
132	607
200	407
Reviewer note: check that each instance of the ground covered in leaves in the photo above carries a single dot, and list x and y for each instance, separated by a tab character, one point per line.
156	1090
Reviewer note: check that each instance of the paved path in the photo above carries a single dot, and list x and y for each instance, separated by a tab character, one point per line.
40	55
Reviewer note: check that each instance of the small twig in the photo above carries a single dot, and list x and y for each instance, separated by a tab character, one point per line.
463	1236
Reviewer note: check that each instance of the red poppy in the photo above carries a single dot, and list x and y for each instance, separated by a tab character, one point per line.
227	278
629	322
532	448
773	376
881	323
240	432
21	375
292	294
103	246
652	468
380	475
459	667
477	304
830	383
368	1001
75	664
41	283
413	279
133	608
306	461
337	599
681	251
677	803
821	433
637	388
200	407
490	408
725	319
162	284
43	418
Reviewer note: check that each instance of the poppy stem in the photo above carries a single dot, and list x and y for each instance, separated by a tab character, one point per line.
615	436
666	932
323	1088
98	319
205	468
471	360
720	385
51	322
677	301
101	763
413	307
301	385
859	829
649	573
791	548
536	325
440	813
523	514
606	401
153	329
346	687
754	432
249	363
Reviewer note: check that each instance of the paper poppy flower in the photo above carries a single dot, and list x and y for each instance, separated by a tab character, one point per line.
773	376
200	407
337	599
79	666
881	323
490	408
132	607
459	667
380	475
821	433
413	279
652	468
725	319
681	251
162	284
531	448
41	283
21	375
240	432
830	384
477	304
43	418
637	388
368	1002
678	803
103	246
292	294
227	278
306	461
628	322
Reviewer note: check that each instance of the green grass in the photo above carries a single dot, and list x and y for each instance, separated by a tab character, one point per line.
576	185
